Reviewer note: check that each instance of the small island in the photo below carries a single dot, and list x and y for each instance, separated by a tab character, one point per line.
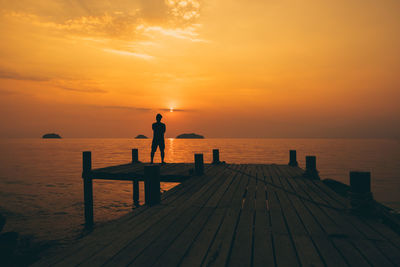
51	136
141	136
190	136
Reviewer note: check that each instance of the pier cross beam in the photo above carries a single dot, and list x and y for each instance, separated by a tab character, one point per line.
293	158
87	188
198	164
152	185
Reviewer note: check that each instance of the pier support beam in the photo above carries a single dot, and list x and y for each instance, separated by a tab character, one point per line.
293	158
135	155
135	185
311	168
361	200
87	188
152	185
198	164
216	156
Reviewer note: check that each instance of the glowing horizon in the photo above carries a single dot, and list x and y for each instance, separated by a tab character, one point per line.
217	68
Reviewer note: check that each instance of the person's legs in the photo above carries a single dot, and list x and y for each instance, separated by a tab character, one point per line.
153	150
152	156
162	147
162	155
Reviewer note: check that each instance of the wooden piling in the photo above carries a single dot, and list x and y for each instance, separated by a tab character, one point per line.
152	185
361	200
87	188
311	168
135	184
198	164
135	155
293	158
216	156
311	163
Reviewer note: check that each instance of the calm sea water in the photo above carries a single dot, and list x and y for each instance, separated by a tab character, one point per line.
41	185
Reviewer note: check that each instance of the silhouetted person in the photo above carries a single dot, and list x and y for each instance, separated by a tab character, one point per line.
158	138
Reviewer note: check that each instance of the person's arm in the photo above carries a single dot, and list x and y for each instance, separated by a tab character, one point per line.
165	127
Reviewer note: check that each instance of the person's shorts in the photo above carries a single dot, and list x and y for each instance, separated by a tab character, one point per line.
156	144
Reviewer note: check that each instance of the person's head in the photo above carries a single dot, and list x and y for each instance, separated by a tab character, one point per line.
158	117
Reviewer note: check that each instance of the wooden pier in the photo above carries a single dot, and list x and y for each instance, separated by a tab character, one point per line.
235	215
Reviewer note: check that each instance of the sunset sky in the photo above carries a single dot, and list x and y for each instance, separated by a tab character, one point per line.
257	68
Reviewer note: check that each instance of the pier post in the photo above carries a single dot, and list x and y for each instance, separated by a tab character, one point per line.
216	156
293	158
135	184
198	164
152	185
87	188
311	168
135	155
361	200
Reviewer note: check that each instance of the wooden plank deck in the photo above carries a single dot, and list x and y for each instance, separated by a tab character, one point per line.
171	172
236	215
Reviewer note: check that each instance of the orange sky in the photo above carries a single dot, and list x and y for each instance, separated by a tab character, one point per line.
96	68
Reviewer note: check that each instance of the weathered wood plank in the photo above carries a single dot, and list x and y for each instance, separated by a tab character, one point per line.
353	226
306	250
174	253
330	255
241	253
141	249
194	256
219	249
263	248
285	251
343	238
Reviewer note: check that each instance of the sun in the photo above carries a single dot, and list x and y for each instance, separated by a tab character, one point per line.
171	109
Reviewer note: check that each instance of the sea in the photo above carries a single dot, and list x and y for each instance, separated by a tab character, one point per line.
41	190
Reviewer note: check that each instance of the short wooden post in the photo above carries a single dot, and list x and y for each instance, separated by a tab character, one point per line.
198	164
311	163
216	156
152	185
87	188
135	155
293	158
311	168
135	184
360	195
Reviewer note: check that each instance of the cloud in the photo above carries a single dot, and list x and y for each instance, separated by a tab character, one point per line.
82	90
133	108
74	85
7	74
124	108
175	110
188	33
7	92
100	18
129	53
78	85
